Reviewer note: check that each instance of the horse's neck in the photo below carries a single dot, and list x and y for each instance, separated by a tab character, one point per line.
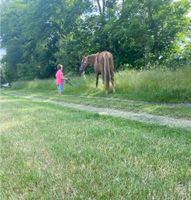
91	59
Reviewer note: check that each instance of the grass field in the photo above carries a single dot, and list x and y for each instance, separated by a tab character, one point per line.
171	110
153	85
48	152
133	87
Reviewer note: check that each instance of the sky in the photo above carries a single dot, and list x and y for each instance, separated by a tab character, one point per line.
2	52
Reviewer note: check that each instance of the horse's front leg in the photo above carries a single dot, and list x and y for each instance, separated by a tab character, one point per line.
97	79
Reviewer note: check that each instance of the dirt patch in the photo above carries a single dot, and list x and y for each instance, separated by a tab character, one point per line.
141	117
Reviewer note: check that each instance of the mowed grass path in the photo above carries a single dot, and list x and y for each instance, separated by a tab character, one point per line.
49	152
181	110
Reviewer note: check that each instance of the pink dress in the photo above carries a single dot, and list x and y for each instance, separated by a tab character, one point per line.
59	76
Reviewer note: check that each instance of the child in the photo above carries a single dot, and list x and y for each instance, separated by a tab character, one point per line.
60	79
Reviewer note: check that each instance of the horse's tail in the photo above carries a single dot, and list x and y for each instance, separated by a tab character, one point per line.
107	70
111	68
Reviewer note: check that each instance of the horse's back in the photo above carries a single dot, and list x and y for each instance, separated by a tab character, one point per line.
104	65
104	60
106	53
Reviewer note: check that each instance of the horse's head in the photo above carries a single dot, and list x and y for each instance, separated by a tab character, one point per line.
83	65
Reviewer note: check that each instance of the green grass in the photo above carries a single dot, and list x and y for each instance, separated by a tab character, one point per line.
153	85
156	85
80	85
171	110
49	152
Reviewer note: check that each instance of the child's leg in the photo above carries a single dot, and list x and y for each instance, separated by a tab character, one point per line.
59	89
62	87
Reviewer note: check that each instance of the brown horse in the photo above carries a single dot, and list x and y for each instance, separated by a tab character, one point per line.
103	64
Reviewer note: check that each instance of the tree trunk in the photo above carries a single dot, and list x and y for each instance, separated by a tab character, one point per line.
104	6
99	6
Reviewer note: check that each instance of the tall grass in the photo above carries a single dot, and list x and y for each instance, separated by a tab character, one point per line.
153	85
35	85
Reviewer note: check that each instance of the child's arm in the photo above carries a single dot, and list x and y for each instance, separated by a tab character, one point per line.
63	78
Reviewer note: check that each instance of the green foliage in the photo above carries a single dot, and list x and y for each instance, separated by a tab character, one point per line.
41	34
26	72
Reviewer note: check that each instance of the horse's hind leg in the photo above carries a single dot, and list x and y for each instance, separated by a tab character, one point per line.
97	79
111	64
112	77
106	84
113	84
106	89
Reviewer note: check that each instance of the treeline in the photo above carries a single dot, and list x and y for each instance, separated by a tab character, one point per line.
39	34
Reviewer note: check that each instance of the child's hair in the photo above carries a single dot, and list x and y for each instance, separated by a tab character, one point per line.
59	66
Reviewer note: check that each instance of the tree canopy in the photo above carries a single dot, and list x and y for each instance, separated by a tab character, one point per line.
39	34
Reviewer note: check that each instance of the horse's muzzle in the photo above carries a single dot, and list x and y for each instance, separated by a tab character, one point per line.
82	73
81	70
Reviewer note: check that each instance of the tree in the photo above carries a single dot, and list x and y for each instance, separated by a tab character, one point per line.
39	34
146	29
